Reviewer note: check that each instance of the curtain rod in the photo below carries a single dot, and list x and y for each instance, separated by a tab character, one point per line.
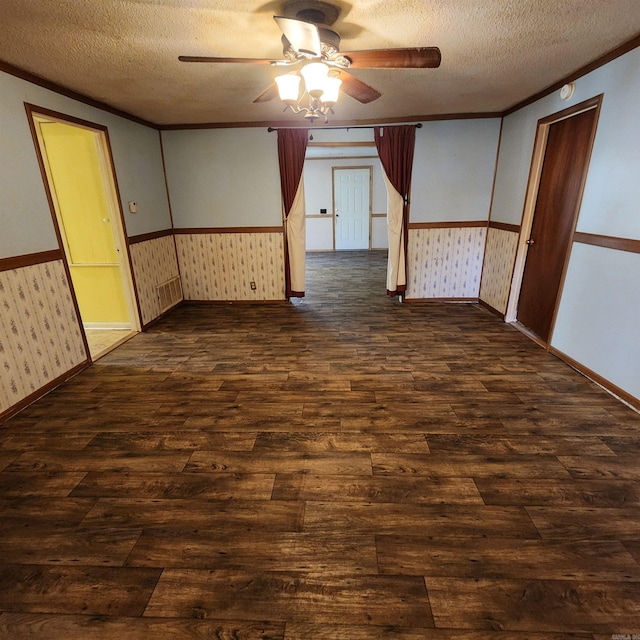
373	126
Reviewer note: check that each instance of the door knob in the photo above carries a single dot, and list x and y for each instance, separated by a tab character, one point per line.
530	241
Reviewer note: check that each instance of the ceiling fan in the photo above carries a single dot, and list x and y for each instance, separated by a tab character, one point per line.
307	35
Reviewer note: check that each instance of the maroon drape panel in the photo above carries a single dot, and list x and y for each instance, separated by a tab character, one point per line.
292	147
395	147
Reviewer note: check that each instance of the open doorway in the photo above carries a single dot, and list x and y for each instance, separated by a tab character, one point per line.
345	202
80	183
323	229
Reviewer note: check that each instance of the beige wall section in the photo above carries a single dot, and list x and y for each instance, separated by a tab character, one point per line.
497	270
445	262
154	262
221	266
40	337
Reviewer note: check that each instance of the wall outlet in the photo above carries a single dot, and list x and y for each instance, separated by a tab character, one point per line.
133	206
252	284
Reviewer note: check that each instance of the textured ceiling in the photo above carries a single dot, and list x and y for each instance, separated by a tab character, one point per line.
495	53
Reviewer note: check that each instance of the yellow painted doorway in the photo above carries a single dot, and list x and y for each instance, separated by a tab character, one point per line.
90	230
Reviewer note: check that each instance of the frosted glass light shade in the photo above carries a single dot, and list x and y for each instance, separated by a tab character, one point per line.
288	87
331	90
315	77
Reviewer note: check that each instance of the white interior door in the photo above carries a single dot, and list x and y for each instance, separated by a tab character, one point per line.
351	207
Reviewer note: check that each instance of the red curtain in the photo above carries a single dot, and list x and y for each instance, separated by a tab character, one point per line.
395	147
292	147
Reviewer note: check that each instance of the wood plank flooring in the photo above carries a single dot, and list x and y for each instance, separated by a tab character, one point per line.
344	467
102	341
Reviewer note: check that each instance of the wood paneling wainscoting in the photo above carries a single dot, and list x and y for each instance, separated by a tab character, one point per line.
497	269
499	259
41	342
155	261
219	264
343	467
444	260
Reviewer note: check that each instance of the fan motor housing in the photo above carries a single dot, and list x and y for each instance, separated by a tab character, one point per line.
329	39
314	11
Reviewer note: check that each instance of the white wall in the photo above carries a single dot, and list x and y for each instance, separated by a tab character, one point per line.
453	167
24	213
25	218
611	202
319	234
223	177
138	161
608	205
318	190
318	183
597	322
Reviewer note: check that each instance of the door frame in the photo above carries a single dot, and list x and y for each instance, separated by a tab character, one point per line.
333	197
112	192
531	198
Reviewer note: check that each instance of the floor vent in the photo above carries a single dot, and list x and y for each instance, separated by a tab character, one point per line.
169	293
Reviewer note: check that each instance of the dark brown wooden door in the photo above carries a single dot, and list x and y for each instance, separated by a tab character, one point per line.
565	164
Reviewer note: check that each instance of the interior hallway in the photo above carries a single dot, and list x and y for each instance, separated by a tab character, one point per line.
342	467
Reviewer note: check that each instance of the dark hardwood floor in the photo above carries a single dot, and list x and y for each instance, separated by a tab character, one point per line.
344	467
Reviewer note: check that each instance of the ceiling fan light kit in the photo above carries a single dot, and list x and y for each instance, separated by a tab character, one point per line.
309	41
321	86
289	88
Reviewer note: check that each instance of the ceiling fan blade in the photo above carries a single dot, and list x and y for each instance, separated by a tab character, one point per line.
357	89
227	60
268	94
417	58
303	36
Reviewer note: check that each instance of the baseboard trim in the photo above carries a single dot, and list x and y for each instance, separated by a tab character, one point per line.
454	300
532	336
607	385
228	302
491	309
107	326
162	315
42	391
